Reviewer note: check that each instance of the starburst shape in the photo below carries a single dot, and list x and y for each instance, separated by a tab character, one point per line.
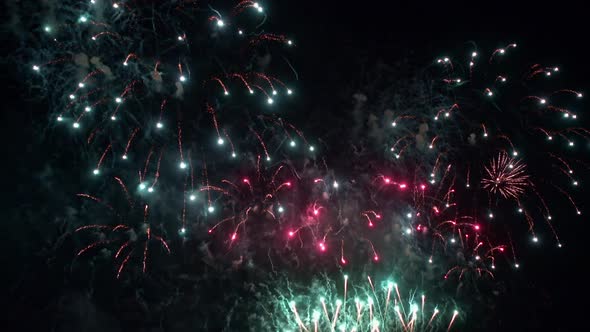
506	176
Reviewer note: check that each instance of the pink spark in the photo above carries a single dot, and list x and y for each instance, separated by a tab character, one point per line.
218	80
102	157
130	140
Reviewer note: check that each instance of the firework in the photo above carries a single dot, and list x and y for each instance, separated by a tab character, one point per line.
489	142
127	87
139	85
348	305
505	176
189	115
519	115
131	238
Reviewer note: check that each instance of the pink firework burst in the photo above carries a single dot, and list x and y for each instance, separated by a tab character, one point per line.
506	176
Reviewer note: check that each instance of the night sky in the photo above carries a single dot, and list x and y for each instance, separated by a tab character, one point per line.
336	43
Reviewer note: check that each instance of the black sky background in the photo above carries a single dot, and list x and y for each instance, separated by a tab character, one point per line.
332	36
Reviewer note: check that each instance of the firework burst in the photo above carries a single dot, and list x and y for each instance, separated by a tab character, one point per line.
130	238
506	176
489	140
361	306
139	85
